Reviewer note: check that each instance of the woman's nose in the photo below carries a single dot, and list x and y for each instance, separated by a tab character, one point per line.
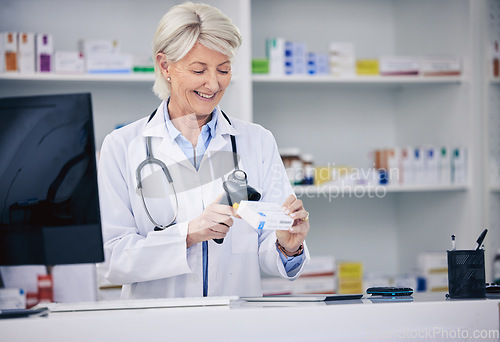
212	81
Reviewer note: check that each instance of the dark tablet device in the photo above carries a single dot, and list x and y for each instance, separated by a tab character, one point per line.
303	298
389	291
20	313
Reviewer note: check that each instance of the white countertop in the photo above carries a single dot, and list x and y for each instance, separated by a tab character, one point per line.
429	317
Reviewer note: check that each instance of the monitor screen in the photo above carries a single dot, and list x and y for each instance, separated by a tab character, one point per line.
49	206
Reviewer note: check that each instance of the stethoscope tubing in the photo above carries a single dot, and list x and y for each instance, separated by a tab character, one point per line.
149	161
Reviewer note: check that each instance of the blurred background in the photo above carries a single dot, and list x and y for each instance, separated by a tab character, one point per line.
387	115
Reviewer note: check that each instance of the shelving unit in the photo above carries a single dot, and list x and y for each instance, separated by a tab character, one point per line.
117	98
356	80
148	78
377	191
341	121
338	120
136	77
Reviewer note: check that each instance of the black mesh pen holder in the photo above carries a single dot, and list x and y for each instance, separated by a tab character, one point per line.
466	276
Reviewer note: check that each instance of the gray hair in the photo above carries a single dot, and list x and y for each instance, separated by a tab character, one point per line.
184	25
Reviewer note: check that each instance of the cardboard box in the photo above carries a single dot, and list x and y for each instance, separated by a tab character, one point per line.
350	277
459	166
69	62
275	53
90	46
367	67
399	66
440	66
444	166
44	50
26	52
97	63
8	52
342	59
12	298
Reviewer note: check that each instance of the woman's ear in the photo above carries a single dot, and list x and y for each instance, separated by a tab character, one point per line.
163	64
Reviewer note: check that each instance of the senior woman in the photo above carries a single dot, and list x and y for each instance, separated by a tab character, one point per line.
161	178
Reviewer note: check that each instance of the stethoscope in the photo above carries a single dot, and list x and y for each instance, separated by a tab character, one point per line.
151	160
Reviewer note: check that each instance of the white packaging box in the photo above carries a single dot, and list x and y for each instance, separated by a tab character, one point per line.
444	166
322	67
12	298
432	262
89	46
312	63
8	52
440	66
314	284
69	62
342	59
264	215
44	52
394	172
275	286
431	165
275	52
418	165
299	58
98	63
406	172
320	265
398	65
26	52
433	267
436	282
459	165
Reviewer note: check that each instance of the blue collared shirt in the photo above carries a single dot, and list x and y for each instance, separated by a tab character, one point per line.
195	155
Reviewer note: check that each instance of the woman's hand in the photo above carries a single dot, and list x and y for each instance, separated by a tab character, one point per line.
213	223
291	239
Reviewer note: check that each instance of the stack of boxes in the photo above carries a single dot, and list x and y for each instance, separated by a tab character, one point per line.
285	57
417	165
25	52
29	52
291	58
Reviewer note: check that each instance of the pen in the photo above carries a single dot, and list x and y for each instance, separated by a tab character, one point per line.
453	242
480	239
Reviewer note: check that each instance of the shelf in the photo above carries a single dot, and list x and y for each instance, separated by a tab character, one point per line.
132	77
371	191
356	79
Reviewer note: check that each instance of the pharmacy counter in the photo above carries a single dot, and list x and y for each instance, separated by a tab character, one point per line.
425	317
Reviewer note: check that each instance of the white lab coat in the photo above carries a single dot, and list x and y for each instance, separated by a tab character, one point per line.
158	264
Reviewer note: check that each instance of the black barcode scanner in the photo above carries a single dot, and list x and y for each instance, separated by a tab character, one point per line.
236	190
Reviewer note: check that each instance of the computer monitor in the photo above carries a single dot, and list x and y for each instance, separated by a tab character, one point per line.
49	207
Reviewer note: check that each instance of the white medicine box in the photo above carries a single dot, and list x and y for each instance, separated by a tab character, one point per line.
26	52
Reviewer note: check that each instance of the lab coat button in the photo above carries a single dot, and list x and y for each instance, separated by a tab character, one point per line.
193	278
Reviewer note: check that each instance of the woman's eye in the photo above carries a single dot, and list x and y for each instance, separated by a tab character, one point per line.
198	72
224	72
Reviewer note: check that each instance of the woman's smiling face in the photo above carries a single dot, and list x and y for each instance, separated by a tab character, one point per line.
198	81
